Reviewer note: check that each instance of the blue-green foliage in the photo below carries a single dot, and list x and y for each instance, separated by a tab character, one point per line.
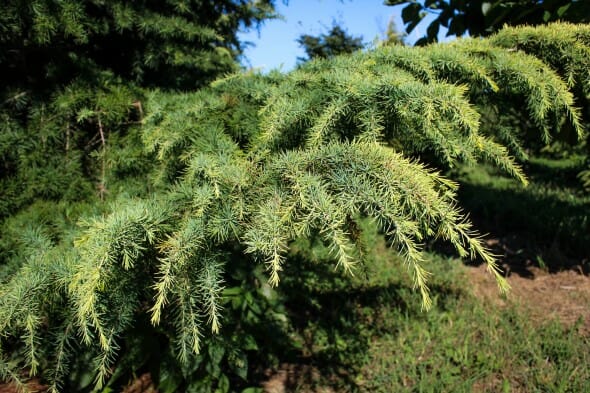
208	190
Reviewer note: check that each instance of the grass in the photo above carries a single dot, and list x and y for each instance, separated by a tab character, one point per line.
464	345
368	333
552	212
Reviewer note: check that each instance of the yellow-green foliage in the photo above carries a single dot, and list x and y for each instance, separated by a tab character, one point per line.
254	162
564	46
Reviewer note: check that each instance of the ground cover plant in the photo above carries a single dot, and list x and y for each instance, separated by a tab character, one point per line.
170	264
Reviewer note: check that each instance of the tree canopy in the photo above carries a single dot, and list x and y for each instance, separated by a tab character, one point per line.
173	44
336	42
484	17
200	188
72	75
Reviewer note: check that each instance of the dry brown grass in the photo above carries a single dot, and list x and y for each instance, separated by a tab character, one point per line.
563	295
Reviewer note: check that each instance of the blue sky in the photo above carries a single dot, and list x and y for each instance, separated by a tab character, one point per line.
275	43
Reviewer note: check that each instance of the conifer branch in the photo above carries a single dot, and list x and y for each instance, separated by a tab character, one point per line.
63	350
253	162
210	284
188	321
9	373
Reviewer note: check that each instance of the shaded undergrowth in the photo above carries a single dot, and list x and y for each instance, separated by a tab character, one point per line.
368	333
546	224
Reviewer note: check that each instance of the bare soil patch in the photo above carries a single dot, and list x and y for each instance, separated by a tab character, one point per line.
564	295
32	386
294	377
142	384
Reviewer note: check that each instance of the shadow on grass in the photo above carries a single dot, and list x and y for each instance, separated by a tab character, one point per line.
335	318
546	224
528	229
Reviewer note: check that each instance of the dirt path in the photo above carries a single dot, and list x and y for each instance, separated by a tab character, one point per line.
564	295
